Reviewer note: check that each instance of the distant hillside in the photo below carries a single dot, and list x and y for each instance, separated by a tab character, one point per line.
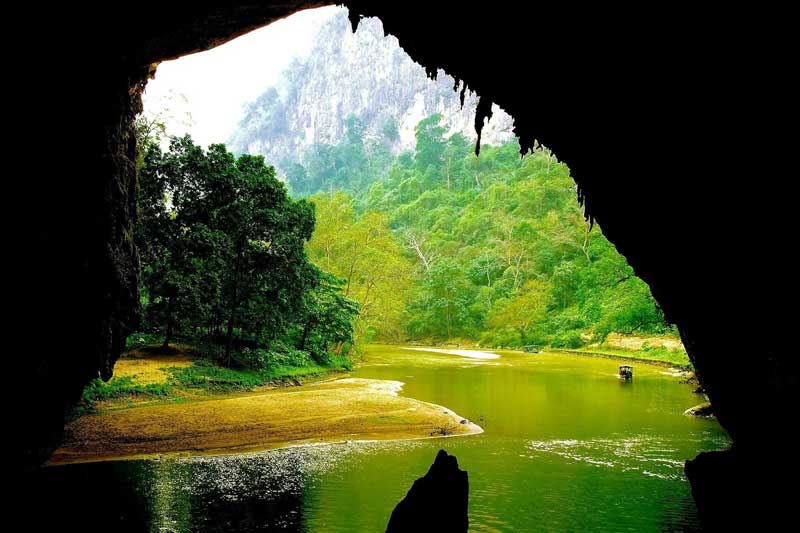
365	74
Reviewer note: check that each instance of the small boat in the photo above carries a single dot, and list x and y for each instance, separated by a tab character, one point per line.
531	348
625	372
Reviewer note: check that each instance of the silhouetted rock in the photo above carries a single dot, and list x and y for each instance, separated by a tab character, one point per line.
745	490
436	502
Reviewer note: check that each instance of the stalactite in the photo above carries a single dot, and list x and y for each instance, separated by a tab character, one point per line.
355	18
483	112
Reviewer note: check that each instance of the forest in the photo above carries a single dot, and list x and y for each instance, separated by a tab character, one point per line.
439	244
223	257
430	245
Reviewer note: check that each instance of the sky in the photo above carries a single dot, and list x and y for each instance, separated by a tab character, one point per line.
204	94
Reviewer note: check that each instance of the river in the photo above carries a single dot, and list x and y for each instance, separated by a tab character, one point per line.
566	446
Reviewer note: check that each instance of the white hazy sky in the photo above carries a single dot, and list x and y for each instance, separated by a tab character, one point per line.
204	94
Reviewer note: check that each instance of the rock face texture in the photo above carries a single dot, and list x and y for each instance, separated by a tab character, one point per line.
84	268
365	74
438	501
698	104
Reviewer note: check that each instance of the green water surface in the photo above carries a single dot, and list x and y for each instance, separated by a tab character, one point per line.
567	446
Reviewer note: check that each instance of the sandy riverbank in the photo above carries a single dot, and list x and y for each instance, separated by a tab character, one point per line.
471	354
331	411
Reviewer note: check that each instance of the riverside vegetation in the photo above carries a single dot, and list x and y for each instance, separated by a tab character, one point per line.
439	244
434	245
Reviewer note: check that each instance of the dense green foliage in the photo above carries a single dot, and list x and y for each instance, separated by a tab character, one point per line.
432	244
368	257
222	249
444	244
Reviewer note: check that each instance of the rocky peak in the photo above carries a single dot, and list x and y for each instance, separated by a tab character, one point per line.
366	74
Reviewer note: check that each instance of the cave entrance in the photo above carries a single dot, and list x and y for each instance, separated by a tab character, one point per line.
483	268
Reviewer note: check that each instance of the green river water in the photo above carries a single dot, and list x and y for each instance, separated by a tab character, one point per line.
567	446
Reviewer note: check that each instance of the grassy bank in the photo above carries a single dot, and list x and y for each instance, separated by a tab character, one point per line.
145	373
659	356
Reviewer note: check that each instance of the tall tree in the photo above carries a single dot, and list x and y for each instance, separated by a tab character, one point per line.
369	258
223	244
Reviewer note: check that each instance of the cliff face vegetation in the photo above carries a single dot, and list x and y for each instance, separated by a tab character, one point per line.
691	98
360	76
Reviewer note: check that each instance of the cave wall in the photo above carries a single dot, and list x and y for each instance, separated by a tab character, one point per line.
78	279
652	118
673	120
79	294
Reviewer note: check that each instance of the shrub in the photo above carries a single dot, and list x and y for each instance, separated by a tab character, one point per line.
205	374
141	338
571	340
338	361
98	390
259	359
501	338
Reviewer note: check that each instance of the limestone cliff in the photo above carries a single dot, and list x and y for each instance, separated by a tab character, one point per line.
366	74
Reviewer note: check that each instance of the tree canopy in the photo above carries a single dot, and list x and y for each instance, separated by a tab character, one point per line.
223	252
431	244
492	248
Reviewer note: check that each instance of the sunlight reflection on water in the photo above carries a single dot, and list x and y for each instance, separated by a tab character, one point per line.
566	447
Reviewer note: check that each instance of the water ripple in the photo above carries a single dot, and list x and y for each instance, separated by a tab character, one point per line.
654	456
